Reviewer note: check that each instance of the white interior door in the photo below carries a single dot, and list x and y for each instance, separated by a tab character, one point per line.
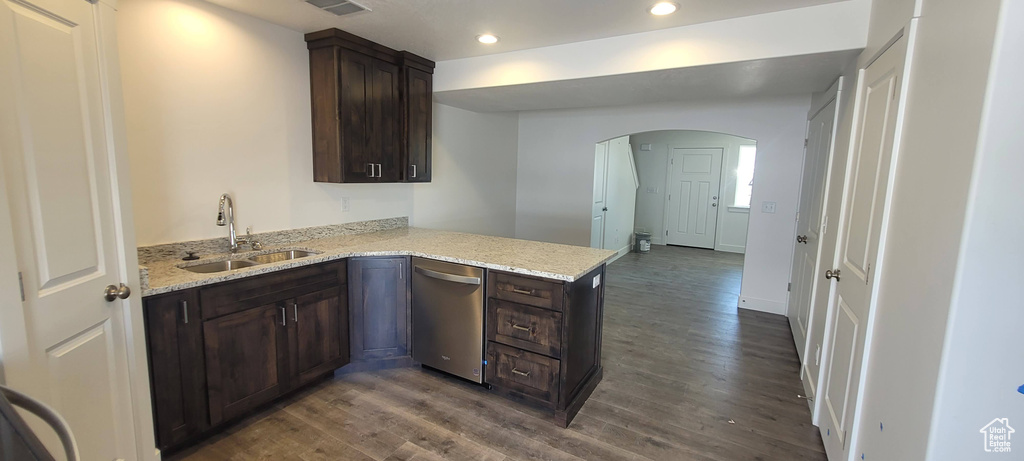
866	191
808	225
691	207
600	206
57	174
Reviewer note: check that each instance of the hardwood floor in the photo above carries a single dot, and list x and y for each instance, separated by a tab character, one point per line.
687	376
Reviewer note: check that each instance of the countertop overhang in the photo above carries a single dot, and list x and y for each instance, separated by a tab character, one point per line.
539	259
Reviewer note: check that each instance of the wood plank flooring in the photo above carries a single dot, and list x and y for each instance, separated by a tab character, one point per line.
687	376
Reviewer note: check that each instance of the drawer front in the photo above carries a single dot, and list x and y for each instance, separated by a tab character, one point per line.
531	374
531	328
525	290
258	290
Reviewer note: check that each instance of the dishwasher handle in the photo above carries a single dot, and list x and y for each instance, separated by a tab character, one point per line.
448	277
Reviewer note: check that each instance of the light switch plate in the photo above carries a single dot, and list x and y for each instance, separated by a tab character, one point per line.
645	147
345	206
767	207
597	280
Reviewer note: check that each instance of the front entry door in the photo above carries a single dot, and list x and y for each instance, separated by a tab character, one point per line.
867	181
57	161
691	208
808	224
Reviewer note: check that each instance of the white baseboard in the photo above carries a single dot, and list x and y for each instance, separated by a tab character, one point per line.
763	305
731	248
622	252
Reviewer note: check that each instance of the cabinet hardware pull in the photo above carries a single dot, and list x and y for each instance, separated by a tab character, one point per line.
370	173
401	275
184	311
295	312
522	291
525	374
414	170
520	327
284	317
380	171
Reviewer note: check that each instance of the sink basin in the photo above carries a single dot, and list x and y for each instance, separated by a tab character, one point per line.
281	256
220	266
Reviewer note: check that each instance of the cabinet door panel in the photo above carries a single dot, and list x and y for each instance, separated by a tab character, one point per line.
175	341
246	360
385	120
356	101
320	323
379	305
418	113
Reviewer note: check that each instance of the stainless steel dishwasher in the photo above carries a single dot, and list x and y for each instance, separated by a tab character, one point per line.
448	317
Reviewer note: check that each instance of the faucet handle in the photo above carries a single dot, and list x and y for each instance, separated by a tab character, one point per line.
252	242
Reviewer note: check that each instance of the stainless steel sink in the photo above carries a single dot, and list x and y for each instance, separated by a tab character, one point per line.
281	256
220	266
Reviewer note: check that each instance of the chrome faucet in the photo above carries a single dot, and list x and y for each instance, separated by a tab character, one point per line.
228	218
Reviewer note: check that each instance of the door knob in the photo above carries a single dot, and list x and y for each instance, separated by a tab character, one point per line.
714	204
113	292
830	274
801	239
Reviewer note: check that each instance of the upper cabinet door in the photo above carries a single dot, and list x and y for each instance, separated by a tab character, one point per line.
385	121
418	114
356	107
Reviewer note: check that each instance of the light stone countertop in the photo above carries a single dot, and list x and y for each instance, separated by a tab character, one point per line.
548	260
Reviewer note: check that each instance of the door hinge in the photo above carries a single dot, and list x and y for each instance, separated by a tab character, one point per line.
21	286
867	275
666	233
805	142
824	224
789	286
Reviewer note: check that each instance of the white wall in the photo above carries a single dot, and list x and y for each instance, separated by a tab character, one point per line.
473	186
217	101
731	232
555	180
980	372
929	202
801	31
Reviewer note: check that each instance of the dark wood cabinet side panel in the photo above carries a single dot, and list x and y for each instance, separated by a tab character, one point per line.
243	360
581	332
323	76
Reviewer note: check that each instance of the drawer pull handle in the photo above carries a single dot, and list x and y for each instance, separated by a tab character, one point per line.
525	374
522	291
520	327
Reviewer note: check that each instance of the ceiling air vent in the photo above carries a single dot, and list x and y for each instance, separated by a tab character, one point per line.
338	7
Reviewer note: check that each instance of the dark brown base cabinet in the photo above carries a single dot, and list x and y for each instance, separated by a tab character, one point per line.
544	339
379	293
218	352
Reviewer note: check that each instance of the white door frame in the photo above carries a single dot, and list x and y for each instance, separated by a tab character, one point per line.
13	341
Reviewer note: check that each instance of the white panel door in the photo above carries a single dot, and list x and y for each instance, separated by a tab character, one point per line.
599	206
866	191
56	168
808	225
691	207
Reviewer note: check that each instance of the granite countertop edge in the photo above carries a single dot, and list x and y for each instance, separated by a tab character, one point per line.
327	255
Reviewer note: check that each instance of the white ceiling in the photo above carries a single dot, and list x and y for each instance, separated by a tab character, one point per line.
446	29
761	78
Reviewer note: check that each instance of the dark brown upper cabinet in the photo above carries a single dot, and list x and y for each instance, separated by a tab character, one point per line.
371	110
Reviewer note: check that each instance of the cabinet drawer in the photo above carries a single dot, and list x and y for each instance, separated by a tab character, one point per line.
531	374
258	290
531	328
525	290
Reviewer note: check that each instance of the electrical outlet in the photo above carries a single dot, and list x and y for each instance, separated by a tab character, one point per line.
345	206
767	207
652	190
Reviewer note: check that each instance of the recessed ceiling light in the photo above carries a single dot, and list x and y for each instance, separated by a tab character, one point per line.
663	8
487	38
